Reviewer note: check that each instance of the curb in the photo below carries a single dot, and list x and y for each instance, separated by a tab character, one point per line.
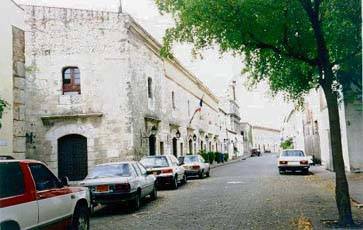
229	162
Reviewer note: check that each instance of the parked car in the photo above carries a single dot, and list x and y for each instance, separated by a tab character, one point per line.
32	197
6	157
293	160
255	152
195	165
118	182
167	170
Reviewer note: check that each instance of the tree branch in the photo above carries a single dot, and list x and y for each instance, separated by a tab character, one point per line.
286	53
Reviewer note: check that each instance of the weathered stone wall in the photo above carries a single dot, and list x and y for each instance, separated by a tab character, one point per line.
19	93
96	43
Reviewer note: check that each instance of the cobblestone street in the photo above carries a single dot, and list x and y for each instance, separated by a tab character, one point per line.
249	194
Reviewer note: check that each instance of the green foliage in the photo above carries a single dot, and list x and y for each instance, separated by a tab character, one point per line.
225	155
3	105
276	38
287	144
211	157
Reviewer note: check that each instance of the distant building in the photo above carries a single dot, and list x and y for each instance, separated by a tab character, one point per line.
12	75
266	139
247	137
293	128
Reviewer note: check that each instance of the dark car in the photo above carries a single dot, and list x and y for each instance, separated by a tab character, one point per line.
255	152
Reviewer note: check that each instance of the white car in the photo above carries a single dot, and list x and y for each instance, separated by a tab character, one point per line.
293	160
195	165
166	168
120	181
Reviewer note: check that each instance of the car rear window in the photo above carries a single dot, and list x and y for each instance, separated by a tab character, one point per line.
292	153
155	162
11	179
191	159
114	170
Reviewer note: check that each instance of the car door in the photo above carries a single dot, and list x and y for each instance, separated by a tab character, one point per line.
17	199
55	201
141	180
179	170
149	179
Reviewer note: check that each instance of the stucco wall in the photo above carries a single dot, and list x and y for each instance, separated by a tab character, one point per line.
12	18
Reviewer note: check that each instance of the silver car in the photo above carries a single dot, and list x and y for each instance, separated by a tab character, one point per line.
167	170
195	165
119	182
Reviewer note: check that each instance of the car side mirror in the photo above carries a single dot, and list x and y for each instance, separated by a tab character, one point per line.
64	180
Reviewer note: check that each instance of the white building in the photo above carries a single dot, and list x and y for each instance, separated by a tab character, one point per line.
109	95
293	128
12	79
266	139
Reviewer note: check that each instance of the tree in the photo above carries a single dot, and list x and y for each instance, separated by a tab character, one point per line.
296	45
3	105
287	144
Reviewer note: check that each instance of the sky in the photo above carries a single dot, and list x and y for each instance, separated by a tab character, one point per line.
215	70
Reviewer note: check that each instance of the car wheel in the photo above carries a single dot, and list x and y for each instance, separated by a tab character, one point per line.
136	202
201	174
174	184
154	193
80	220
185	179
305	171
208	173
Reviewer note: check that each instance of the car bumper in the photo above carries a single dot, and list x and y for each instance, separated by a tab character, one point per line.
164	180
191	173
107	198
293	168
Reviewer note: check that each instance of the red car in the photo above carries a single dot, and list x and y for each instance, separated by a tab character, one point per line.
31	196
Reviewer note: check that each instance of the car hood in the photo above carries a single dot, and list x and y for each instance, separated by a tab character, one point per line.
293	158
104	180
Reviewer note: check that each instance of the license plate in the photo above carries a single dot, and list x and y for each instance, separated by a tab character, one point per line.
293	163
102	188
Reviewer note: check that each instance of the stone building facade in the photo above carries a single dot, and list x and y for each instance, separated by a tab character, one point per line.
12	78
98	91
266	139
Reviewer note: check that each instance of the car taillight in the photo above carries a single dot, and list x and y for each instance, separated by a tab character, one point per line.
304	162
167	171
283	162
195	167
122	187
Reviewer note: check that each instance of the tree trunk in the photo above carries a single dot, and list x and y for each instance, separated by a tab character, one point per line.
341	184
326	81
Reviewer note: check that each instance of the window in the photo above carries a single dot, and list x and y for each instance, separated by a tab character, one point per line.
138	172
142	169
11	185
112	170
43	178
71	80
149	88
173	99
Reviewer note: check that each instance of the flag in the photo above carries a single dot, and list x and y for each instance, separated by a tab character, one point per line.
199	109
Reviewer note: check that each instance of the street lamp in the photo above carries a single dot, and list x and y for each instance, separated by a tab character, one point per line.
194	137
177	134
206	137
154	130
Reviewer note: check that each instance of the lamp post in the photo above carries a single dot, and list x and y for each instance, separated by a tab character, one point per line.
177	134
154	130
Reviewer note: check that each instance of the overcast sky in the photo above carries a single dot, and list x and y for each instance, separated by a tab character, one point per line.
214	70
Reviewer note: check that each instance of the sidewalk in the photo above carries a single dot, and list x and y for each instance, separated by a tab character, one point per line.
355	181
215	165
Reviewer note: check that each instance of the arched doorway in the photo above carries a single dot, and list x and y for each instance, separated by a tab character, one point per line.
190	146
72	157
175	147
152	145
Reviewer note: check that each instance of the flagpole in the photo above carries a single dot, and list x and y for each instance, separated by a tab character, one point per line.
196	111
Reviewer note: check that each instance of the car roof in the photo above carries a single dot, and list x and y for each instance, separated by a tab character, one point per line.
117	163
26	161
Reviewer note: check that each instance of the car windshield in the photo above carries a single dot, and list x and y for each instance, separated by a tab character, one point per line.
114	170
292	153
191	159
154	162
